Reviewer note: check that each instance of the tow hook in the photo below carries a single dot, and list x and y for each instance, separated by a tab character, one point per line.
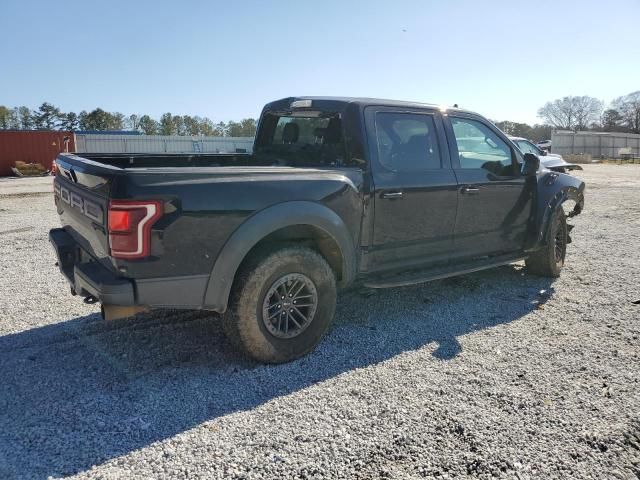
90	299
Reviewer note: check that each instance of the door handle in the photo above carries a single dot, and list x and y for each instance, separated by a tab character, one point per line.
470	190
392	195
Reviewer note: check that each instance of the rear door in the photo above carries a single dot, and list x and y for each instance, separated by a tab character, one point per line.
415	189
494	199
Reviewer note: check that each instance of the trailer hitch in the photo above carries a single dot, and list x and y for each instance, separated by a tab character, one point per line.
90	300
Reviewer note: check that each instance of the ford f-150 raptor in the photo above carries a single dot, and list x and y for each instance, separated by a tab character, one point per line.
337	192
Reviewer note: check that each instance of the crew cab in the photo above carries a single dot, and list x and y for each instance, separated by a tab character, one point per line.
337	192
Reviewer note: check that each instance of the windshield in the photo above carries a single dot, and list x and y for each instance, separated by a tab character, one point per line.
527	147
293	140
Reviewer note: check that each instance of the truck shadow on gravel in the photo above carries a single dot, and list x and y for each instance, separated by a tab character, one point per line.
81	392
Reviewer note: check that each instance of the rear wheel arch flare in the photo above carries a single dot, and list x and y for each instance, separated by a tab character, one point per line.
290	218
306	234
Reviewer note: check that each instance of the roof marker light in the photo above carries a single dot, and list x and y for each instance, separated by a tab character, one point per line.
301	104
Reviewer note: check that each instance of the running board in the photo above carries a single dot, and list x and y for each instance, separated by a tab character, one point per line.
413	277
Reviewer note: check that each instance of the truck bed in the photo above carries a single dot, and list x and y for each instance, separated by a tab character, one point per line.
155	160
206	197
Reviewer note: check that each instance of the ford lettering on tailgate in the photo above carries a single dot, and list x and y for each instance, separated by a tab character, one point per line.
90	209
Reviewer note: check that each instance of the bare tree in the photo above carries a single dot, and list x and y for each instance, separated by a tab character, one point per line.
629	108
572	113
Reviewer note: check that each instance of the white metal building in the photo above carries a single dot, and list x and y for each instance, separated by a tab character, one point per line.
597	144
108	143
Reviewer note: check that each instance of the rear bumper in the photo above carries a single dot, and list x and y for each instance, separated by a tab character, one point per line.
92	278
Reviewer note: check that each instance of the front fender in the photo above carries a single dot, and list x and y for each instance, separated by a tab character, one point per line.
553	190
260	225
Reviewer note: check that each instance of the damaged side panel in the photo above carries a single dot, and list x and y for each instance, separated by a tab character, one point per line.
553	190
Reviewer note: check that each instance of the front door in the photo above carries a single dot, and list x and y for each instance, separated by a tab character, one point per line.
415	190
494	199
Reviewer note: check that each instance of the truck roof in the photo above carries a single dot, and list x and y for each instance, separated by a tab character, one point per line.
360	101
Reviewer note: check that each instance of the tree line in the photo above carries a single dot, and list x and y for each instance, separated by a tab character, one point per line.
49	117
568	113
578	113
588	113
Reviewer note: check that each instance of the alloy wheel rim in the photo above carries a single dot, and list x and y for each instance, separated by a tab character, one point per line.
289	305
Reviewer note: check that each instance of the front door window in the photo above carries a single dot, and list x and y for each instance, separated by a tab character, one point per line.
479	147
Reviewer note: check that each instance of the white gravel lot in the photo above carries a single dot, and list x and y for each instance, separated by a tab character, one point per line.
495	374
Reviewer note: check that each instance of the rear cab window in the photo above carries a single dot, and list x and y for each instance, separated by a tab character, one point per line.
305	139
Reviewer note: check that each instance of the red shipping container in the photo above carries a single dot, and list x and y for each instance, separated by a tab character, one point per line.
37	146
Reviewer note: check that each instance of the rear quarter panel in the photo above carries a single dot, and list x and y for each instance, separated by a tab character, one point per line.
203	209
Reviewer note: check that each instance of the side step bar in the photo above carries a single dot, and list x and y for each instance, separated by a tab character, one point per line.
421	276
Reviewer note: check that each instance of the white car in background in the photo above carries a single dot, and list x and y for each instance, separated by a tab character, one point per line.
544	145
552	161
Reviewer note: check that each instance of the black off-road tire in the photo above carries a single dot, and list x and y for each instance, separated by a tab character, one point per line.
548	261
243	321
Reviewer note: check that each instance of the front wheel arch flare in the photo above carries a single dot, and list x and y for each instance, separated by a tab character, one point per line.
565	194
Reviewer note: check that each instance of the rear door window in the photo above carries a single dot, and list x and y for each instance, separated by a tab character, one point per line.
407	142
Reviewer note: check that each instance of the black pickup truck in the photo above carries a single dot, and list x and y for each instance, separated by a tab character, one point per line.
337	192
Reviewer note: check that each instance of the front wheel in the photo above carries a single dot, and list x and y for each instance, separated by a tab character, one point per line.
548	261
281	305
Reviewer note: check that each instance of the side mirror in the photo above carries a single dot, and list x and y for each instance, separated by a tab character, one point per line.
543	152
531	164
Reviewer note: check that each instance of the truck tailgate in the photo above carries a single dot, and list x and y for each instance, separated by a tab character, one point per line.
82	203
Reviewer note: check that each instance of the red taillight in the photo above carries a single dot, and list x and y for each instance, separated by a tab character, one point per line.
120	220
129	223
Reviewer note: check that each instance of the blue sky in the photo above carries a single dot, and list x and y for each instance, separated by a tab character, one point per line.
224	60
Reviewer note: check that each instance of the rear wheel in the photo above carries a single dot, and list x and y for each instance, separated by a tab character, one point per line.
548	261
282	304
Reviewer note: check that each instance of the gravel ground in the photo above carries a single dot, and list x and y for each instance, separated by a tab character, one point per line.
495	374
24	186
